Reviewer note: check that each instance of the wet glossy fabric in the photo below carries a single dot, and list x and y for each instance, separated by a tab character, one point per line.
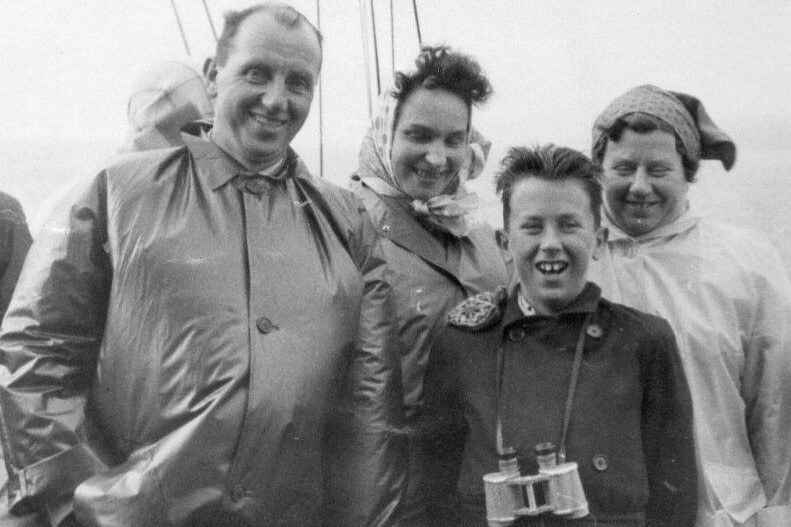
15	241
432	271
177	344
728	298
431	274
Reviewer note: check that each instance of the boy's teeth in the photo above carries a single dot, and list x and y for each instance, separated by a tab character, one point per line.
552	267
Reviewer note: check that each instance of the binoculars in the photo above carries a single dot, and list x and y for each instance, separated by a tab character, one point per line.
510	495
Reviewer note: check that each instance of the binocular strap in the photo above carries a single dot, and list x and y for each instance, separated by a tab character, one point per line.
575	373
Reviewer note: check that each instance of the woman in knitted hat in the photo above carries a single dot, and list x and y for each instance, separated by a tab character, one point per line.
724	291
414	162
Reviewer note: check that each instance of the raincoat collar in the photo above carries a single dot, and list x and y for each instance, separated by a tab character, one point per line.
687	221
586	302
401	227
221	168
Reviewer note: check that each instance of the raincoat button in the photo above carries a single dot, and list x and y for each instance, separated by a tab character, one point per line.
265	325
595	331
237	493
600	462
385	228
516	334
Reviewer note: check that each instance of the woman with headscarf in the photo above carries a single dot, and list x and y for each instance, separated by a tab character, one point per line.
724	291
414	163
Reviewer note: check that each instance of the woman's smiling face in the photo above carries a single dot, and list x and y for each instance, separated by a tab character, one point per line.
644	182
430	142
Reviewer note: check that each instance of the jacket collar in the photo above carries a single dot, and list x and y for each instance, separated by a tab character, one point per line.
687	221
220	167
586	302
402	228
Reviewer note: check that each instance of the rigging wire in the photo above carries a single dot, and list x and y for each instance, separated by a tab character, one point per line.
392	39
321	106
211	23
181	28
376	49
417	24
366	59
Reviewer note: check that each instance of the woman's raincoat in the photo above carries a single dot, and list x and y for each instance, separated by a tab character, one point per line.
727	296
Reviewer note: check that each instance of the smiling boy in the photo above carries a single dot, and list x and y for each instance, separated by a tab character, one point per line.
503	367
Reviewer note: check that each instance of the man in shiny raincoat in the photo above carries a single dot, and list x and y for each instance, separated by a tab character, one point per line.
183	329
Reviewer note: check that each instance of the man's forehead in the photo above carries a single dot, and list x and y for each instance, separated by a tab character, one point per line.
263	32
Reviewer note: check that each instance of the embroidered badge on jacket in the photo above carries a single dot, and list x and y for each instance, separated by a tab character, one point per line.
478	312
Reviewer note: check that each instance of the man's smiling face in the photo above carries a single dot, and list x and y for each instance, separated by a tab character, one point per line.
264	89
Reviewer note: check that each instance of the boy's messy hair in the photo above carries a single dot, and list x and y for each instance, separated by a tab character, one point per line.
549	162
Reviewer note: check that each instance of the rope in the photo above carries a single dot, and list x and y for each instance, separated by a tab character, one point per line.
211	23
366	59
181	28
376	49
392	38
417	24
321	106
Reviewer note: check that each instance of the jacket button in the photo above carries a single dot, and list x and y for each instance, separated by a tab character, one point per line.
600	462
265	325
385	228
516	334
595	331
237	492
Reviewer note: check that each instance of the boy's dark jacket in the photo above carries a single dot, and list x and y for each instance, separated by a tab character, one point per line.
631	426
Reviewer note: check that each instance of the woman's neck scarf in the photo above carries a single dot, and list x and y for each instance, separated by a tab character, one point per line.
684	113
452	212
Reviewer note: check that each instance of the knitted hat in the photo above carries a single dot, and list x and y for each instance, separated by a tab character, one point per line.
684	113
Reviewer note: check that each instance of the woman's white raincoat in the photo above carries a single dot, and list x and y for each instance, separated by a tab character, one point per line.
726	294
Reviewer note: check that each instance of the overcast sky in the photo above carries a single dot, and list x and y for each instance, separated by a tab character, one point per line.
67	67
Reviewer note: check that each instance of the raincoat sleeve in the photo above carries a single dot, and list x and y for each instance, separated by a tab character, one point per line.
14	244
766	389
367	452
48	348
668	436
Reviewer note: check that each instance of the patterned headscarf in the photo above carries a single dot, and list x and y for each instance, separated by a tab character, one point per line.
684	113
453	212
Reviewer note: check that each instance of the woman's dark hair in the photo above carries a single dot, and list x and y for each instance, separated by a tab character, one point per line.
550	163
441	67
644	123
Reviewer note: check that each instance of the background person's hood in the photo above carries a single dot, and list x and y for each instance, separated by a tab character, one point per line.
163	98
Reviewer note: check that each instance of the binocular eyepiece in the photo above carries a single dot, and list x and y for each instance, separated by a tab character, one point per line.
510	495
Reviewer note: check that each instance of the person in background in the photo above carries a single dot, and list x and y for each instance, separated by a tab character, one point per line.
15	241
164	97
177	349
724	290
551	361
415	160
